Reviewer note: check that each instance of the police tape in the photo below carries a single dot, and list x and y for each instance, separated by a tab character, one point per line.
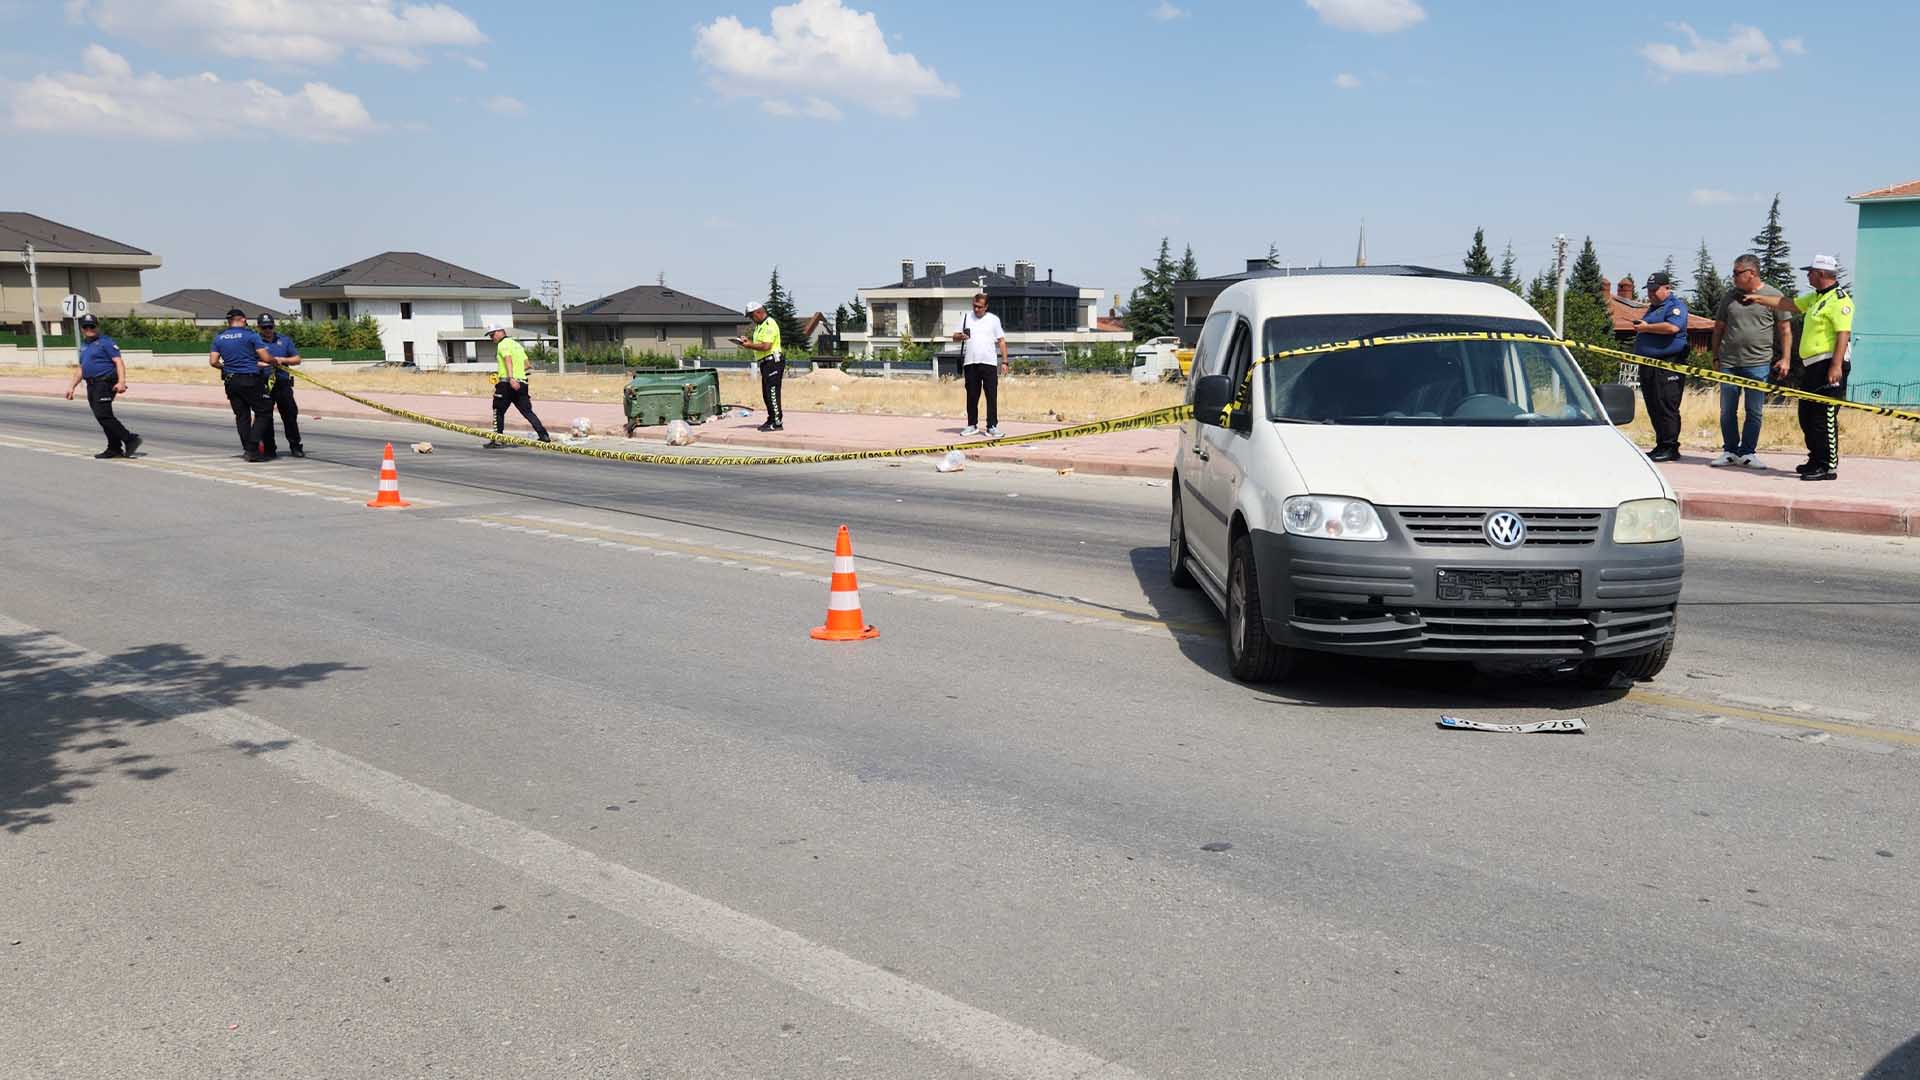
1151	418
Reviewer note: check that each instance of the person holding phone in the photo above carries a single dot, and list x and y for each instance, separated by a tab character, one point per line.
983	361
773	366
1826	340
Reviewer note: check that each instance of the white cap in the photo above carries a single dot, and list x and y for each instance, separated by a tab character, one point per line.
753	306
1824	262
491	327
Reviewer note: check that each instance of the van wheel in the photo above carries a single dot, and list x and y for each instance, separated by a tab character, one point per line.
1255	656
1600	674
1177	572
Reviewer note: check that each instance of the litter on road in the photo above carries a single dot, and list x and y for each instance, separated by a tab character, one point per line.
1548	727
953	462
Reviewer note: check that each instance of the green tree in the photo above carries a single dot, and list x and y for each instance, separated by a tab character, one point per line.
1586	276
1189	267
1776	258
1479	260
780	309
1509	269
856	315
1587	321
1273	255
1540	294
361	333
1150	307
1708	286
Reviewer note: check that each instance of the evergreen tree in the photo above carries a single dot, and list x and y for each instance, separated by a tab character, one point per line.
1150	308
856	315
1189	266
1540	294
780	310
1586	276
1509	269
839	319
1479	260
1673	272
1273	255
1708	287
1587	320
1776	258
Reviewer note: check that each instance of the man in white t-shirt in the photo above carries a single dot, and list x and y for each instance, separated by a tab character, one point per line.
982	364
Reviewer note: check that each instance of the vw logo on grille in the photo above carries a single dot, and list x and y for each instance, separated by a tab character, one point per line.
1504	529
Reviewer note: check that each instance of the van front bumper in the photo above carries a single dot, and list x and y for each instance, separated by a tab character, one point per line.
1546	603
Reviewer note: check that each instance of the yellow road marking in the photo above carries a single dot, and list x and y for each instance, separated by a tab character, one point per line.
1835	727
286	484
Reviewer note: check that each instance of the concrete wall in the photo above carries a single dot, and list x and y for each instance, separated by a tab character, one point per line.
110	286
1886	322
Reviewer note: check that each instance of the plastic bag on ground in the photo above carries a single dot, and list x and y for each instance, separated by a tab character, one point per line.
953	462
582	427
679	433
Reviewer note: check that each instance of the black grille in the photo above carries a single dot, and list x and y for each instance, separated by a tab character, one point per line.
1465	633
1447	527
1550	587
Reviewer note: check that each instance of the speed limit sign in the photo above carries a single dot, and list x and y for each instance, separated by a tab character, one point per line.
74	306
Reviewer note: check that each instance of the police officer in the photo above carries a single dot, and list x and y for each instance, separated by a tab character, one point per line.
1662	334
243	362
510	385
285	354
105	374
1826	341
773	365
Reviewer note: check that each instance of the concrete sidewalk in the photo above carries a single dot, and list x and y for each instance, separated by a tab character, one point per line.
1873	495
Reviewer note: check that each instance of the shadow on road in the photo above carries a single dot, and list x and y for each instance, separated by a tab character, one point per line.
1902	1064
59	735
1346	682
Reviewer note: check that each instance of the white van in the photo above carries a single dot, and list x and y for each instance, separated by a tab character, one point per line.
1458	500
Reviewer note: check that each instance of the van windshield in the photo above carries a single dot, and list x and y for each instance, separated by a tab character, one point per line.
1445	384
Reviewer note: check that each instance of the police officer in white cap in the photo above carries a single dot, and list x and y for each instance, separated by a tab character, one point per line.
1826	339
510	385
773	366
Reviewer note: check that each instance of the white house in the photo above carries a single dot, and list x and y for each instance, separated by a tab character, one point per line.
1038	315
431	313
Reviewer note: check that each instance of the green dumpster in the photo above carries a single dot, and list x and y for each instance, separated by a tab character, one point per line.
658	397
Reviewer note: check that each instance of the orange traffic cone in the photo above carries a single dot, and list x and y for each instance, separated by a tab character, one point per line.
389	494
844	621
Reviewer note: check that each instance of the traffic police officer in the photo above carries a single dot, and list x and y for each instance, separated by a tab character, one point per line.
242	359
773	365
1826	339
285	354
510	385
105	374
1662	334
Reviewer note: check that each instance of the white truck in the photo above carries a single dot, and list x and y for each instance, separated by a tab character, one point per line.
1154	358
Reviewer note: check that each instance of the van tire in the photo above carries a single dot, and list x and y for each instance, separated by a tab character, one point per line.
1600	674
1254	657
1177	555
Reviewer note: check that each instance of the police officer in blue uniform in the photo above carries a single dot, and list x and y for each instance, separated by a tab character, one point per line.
285	355
105	374
1662	333
243	362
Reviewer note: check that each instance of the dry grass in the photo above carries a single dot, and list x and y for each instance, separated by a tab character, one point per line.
1074	398
1861	434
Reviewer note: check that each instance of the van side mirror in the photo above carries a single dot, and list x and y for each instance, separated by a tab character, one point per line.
1211	395
1617	399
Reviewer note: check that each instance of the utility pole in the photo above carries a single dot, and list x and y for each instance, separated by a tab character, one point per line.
39	331
551	290
1560	286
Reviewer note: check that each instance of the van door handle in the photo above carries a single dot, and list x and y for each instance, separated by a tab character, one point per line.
1204	456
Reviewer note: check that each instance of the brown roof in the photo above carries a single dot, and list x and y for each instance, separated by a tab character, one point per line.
210	303
18	229
1908	190
1108	324
401	269
1623	312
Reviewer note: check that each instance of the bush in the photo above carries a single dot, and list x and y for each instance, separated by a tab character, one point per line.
1103	356
1029	367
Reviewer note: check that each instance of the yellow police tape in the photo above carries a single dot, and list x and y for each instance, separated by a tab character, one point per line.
1151	418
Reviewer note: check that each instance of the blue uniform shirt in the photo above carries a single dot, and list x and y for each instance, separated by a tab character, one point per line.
1663	345
281	347
96	357
236	345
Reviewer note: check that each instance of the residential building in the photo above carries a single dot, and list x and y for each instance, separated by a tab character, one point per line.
431	313
1038	315
645	318
67	260
1624	305
209	307
1193	300
1886	293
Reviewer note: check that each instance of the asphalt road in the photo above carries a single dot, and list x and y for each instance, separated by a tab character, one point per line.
543	777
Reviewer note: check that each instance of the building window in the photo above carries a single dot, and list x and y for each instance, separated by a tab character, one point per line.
663	332
1197	309
306	310
406	352
406	310
470	314
886	320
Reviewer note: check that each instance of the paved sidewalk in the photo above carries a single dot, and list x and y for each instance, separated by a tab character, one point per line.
1873	495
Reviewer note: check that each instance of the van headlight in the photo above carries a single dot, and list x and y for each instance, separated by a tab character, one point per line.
1329	517
1646	521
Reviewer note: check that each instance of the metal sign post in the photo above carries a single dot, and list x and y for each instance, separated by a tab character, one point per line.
74	306
39	329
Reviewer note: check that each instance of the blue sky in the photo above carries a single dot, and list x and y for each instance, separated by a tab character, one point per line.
606	143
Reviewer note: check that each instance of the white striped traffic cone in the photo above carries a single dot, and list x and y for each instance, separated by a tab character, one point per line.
844	620
389	494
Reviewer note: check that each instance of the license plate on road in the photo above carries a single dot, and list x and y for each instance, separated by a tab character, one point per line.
1557	587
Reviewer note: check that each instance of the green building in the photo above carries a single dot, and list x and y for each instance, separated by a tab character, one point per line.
1886	328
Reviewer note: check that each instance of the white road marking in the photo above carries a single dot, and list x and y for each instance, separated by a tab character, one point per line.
920	1013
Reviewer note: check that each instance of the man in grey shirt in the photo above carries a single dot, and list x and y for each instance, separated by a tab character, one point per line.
1747	340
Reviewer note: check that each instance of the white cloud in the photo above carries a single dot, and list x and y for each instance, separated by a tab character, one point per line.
107	97
1793	46
1166	12
821	52
506	106
1369	16
1347	80
1745	50
474	62
1719	197
300	31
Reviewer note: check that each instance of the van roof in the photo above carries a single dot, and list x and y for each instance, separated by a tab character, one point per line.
1353	294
